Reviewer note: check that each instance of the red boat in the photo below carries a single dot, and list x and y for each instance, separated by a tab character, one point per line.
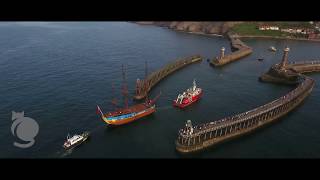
188	97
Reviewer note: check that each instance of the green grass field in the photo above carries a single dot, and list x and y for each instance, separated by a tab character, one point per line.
251	29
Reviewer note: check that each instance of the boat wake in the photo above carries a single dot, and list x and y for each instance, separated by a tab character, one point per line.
63	153
66	153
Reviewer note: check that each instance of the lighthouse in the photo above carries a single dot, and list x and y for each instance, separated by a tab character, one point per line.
222	52
284	60
189	127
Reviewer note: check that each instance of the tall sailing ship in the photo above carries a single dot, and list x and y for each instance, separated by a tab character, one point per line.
128	114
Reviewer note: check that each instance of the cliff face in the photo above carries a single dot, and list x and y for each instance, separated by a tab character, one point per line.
207	27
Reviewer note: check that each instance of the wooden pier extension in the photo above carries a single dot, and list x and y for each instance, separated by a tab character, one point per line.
145	85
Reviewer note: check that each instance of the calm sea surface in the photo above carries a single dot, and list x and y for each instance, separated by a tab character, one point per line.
58	72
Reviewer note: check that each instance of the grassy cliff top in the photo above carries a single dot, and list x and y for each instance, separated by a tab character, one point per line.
251	28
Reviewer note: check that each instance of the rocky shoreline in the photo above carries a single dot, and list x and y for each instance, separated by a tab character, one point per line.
203	27
201	33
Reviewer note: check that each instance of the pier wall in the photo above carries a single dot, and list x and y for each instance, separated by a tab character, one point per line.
144	86
209	134
305	67
239	49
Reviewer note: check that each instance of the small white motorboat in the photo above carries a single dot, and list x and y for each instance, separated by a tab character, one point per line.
75	140
272	48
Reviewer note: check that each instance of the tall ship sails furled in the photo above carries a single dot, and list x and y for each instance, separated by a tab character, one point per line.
128	114
188	97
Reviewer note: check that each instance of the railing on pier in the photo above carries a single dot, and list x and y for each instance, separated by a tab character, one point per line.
144	86
193	138
305	62
305	66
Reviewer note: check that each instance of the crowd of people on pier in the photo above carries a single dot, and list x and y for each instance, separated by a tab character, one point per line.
306	62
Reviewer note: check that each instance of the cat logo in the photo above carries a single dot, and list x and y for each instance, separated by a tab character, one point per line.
25	128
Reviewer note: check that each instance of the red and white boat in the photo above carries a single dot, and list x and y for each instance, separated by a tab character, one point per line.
188	97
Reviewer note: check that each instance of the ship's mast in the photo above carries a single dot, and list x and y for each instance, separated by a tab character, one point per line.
114	101
145	78
124	88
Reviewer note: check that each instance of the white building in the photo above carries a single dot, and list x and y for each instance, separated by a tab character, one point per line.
267	27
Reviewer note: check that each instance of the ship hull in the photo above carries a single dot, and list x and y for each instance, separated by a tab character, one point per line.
183	105
139	115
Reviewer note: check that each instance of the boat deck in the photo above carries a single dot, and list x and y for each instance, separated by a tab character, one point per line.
134	108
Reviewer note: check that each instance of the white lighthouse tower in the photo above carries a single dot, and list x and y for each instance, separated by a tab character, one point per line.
222	52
